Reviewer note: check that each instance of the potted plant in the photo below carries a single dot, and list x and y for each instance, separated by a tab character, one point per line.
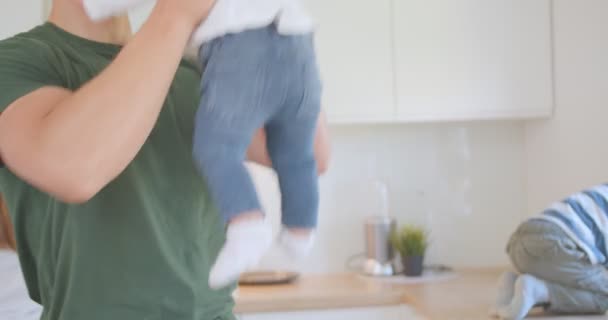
411	242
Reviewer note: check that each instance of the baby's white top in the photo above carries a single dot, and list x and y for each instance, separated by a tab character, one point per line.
232	16
227	16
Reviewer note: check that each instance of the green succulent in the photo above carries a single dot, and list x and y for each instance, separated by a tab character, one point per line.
410	241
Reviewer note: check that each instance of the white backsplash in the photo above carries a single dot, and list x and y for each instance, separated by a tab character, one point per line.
465	182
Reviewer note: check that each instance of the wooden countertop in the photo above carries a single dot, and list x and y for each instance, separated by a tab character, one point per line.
315	292
467	296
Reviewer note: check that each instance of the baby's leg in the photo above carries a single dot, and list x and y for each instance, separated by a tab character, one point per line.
504	291
530	291
579	299
102	9
291	136
231	110
559	275
220	153
291	147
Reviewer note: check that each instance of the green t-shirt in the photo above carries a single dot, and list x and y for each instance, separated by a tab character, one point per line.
142	247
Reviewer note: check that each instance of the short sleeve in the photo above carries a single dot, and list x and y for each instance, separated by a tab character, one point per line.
25	66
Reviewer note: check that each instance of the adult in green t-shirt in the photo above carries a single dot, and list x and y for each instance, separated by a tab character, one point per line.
111	218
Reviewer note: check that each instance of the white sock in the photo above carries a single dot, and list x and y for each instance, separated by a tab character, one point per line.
504	293
528	292
297	246
246	243
103	9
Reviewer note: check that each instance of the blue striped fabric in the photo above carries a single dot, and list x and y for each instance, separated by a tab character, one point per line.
584	217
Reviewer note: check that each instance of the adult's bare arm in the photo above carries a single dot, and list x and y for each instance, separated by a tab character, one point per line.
258	151
72	144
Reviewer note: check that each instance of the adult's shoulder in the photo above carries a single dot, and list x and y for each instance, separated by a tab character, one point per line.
23	43
26	64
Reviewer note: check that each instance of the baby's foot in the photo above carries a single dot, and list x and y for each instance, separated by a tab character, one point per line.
505	288
246	242
297	242
528	292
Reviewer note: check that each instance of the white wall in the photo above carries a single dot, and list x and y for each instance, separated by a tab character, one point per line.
19	16
463	181
570	152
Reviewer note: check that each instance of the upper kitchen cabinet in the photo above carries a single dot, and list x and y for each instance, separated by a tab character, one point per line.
466	59
431	60
355	54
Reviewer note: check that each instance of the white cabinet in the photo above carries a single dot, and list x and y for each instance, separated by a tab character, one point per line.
355	54
432	60
384	313
472	59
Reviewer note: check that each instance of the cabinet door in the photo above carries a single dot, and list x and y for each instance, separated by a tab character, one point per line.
383	313
355	54
473	59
